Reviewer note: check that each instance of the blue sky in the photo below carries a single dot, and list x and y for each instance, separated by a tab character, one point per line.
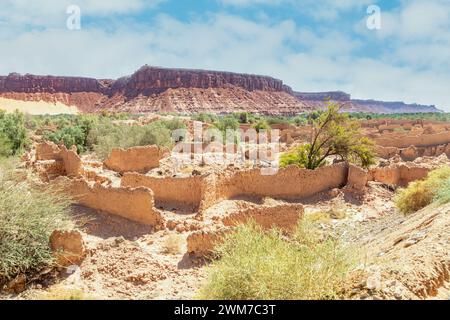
311	45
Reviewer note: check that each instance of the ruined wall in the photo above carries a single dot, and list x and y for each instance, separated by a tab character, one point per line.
175	192
288	183
423	140
204	191
202	242
284	217
136	204
412	152
136	159
69	160
399	174
357	178
281	216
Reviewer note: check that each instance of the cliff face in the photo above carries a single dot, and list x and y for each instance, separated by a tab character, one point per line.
152	89
316	100
48	84
322	96
151	80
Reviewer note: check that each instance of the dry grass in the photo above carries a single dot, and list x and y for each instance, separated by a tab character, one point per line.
173	244
419	194
326	216
62	293
260	265
28	215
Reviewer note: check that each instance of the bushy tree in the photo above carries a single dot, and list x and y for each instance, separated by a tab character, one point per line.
334	134
13	132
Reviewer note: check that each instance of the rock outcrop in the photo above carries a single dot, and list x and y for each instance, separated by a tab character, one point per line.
152	89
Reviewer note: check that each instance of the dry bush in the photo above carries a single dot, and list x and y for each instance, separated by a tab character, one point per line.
255	264
419	194
61	293
172	244
27	218
326	216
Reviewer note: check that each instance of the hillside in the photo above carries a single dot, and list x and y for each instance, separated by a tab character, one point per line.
155	89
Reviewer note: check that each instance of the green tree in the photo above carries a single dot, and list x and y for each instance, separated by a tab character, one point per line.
333	134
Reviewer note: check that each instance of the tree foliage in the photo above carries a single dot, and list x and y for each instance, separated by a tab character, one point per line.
333	134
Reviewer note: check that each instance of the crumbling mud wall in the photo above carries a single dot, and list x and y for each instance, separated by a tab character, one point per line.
287	183
136	159
202	192
399	174
68	160
284	217
136	204
412	152
422	140
174	192
202	243
357	178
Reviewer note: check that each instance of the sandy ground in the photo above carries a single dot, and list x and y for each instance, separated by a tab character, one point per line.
36	107
403	257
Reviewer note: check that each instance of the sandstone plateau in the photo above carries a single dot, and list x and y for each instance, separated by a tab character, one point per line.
155	89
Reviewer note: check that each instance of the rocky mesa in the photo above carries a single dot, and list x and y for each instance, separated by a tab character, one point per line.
153	89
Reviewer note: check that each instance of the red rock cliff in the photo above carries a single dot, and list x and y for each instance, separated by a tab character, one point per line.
152	89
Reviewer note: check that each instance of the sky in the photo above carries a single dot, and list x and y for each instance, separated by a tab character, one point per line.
311	45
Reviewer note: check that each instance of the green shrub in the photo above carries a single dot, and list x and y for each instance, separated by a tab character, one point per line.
106	136
205	117
6	149
443	194
300	120
69	136
419	194
13	132
255	264
73	130
226	123
28	215
261	125
298	157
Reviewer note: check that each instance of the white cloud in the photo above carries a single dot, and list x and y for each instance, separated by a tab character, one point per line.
50	13
306	59
246	3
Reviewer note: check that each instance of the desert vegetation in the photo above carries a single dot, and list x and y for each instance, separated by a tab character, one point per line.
28	215
161	219
13	134
333	134
263	265
419	194
101	133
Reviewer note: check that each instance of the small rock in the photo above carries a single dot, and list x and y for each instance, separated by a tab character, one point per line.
334	192
374	281
398	293
18	284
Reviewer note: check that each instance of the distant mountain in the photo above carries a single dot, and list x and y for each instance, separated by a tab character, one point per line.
156	89
316	100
